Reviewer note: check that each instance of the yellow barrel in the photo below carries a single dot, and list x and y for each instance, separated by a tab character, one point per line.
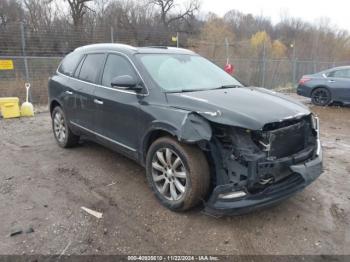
9	107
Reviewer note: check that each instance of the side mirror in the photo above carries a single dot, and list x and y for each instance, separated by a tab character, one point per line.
126	82
324	75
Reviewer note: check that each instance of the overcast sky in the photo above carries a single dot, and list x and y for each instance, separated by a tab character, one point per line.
338	11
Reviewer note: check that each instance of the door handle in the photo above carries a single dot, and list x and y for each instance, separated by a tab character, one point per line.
331	81
69	92
97	101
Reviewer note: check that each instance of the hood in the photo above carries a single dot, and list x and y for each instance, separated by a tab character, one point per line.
249	108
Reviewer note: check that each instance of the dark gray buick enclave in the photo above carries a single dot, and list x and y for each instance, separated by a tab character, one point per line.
201	135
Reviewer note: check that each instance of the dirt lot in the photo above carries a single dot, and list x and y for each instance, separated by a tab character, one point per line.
43	187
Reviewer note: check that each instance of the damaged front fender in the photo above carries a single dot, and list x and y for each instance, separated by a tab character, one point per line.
194	128
186	126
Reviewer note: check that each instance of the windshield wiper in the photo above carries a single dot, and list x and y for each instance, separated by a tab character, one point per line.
187	90
229	86
193	90
199	90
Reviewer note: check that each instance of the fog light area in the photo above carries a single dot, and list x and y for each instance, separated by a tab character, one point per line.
232	195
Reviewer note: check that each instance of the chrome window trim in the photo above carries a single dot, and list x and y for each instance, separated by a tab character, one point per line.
110	88
104	137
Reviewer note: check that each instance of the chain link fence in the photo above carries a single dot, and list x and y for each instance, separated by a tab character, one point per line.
36	53
39	70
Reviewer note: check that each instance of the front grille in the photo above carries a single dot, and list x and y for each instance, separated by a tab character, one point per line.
288	140
285	139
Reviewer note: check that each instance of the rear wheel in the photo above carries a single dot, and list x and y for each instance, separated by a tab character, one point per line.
177	173
63	135
321	96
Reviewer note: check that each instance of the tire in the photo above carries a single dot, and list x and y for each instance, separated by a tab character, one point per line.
63	135
321	96
192	172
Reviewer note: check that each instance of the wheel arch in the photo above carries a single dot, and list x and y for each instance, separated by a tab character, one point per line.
191	129
325	87
321	86
157	131
53	104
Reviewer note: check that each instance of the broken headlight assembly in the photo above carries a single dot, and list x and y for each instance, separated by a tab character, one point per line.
315	122
257	168
254	159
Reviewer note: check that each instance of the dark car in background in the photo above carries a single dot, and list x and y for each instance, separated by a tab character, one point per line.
201	135
326	87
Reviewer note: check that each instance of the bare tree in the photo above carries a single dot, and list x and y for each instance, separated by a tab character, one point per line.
10	11
78	9
168	7
39	14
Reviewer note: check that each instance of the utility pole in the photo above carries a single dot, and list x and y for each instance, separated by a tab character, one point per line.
112	34
264	65
24	53
177	39
227	54
294	62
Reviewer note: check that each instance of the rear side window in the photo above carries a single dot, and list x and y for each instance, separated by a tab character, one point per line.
69	64
344	73
77	71
116	65
91	67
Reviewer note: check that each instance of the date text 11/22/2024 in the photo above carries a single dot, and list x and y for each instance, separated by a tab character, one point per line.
173	258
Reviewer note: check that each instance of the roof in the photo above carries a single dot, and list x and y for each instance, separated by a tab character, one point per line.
133	50
333	68
340	67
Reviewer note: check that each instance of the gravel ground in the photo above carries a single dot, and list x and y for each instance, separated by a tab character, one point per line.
43	187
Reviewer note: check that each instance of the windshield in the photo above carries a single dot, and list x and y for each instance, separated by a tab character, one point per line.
181	73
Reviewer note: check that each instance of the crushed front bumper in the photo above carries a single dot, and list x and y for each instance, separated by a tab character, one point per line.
304	174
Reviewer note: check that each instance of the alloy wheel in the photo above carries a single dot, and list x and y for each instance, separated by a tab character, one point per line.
169	174
321	97
59	127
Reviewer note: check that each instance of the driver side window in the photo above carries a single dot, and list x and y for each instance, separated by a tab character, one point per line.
116	65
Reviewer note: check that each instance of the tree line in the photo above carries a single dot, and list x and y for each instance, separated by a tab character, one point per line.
55	27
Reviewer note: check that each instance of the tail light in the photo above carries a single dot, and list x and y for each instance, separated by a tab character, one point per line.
303	80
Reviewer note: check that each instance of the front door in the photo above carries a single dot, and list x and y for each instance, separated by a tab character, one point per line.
117	110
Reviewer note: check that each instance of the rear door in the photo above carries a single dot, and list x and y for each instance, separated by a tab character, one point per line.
67	84
339	81
117	110
87	76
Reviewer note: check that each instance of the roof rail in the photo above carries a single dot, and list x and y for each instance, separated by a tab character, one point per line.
107	44
155	46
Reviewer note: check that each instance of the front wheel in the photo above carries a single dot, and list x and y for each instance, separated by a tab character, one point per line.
177	173
63	135
321	96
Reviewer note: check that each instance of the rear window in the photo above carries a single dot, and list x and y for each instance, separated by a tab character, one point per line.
91	67
69	64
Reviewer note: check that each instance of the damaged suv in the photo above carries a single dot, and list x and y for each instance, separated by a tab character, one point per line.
201	135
